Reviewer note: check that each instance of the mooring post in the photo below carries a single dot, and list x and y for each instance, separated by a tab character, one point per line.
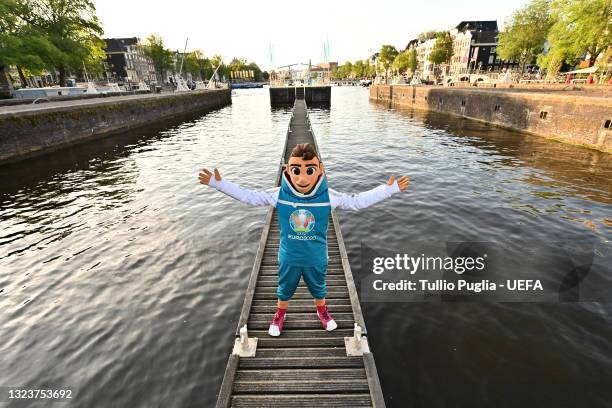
358	344
245	346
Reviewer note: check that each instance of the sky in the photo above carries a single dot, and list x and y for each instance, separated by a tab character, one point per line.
296	30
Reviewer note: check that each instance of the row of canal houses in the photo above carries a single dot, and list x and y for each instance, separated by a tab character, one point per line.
125	63
474	49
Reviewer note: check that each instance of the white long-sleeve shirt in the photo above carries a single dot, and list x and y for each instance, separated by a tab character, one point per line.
337	200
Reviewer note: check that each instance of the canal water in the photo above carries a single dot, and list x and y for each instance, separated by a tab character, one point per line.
122	278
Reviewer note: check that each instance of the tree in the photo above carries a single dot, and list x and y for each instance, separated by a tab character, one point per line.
197	65
18	47
217	62
359	69
161	57
386	56
370	70
580	27
412	60
347	69
205	68
402	62
71	29
427	35
21	45
525	33
240	64
443	48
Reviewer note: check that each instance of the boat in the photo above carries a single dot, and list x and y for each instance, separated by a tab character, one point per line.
246	85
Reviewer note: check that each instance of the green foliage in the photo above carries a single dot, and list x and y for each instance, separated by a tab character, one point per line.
345	71
161	57
403	61
525	33
427	35
20	45
386	56
580	27
370	70
64	34
240	64
197	65
443	48
412	60
217	61
356	70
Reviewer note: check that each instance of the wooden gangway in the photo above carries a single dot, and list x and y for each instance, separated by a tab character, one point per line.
306	366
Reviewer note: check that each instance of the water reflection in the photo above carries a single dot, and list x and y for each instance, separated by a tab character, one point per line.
587	172
123	278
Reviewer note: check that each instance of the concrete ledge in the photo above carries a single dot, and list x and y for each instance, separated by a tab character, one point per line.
576	117
31	130
25	101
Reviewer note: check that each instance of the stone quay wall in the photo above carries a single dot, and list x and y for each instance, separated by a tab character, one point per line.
581	118
32	130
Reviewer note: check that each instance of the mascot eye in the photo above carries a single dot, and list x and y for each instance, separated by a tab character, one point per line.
295	171
310	171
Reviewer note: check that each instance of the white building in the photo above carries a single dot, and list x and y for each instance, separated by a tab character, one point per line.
425	67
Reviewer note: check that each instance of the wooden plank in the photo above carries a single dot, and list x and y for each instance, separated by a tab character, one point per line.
302	352
334	268
296	375
301	362
299	324
295	316
274	283
302	400
270	310
278	386
304	290
378	400
272	270
265	296
285	341
224	398
329	280
302	303
304	334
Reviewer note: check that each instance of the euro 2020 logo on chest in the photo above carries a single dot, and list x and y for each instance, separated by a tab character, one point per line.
302	221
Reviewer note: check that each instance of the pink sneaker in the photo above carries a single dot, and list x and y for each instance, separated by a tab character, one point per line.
276	327
327	321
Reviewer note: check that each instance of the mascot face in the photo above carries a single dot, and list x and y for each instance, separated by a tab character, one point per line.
304	174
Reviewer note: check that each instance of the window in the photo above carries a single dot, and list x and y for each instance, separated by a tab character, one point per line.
491	59
493	50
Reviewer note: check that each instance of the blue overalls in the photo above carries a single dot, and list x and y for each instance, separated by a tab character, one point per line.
303	220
